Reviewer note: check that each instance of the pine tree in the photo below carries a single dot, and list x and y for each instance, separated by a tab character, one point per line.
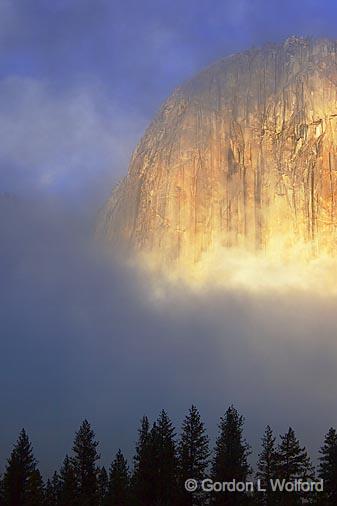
327	470
2	498
103	486
68	488
35	489
119	482
164	460
294	463
85	458
142	486
20	467
231	457
268	468
52	491
193	455
49	496
56	486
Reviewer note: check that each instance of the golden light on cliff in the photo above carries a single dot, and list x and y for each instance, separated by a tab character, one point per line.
235	180
237	269
296	268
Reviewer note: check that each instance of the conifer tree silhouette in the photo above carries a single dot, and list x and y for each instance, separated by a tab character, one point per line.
35	489
267	468
294	463
142	485
84	461
193	455
18	474
50	498
161	467
2	499
119	482
103	486
68	487
164	460
328	469
231	457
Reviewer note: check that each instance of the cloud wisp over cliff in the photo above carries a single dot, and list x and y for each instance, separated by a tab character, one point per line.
84	337
87	338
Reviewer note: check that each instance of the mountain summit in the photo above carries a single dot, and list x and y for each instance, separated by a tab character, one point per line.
244	155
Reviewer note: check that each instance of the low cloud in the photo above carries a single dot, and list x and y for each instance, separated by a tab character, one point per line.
83	336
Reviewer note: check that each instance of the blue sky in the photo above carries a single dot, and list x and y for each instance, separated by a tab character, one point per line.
81	79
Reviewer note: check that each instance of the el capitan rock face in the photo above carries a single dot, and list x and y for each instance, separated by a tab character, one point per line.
244	155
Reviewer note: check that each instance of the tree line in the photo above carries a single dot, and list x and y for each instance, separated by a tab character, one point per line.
162	463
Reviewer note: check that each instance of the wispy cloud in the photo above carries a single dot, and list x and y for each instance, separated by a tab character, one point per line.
63	139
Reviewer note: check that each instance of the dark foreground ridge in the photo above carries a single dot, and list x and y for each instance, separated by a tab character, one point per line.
166	469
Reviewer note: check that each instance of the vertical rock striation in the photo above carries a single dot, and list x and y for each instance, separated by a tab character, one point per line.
243	155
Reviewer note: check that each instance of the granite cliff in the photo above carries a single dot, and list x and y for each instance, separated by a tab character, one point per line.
244	155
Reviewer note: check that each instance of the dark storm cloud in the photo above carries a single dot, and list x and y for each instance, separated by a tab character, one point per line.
81	337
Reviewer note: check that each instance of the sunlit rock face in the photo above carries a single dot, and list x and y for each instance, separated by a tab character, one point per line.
241	157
